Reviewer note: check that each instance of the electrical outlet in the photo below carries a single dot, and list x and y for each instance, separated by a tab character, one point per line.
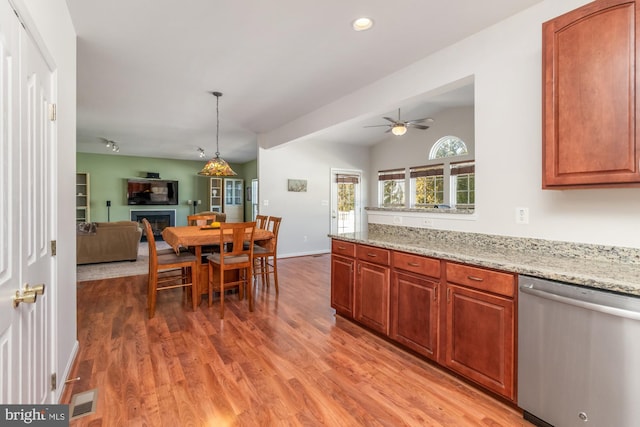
427	222
397	220
304	238
522	215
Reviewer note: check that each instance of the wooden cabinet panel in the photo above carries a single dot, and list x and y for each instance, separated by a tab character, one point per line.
373	254
342	282
371	304
416	264
480	331
481	278
590	136
414	312
339	247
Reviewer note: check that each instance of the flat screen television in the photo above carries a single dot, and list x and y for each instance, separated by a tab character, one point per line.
152	192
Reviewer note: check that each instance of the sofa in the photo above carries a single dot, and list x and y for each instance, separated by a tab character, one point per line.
107	242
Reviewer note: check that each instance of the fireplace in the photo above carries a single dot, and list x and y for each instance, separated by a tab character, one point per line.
159	220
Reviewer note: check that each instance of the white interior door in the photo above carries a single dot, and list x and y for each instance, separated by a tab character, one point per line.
26	333
346	201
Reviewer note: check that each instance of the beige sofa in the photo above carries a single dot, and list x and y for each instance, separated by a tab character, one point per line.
108	242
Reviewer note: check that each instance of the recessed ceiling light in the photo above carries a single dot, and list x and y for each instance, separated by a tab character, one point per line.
362	24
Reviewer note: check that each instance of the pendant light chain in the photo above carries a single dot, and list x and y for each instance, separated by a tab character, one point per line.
217	95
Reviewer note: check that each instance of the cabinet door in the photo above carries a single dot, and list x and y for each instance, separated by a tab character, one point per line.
342	281
590	135
233	199
480	342
414	312
372	296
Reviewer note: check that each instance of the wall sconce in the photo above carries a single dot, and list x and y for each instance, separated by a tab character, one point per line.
194	203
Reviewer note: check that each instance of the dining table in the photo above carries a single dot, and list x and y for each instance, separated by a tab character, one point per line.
196	236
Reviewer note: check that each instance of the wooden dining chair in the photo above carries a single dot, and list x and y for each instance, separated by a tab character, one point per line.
201	220
168	270
233	257
265	260
261	221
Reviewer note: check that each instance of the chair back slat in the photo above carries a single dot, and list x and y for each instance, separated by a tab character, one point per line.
241	232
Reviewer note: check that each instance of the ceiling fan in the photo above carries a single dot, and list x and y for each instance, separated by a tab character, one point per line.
399	127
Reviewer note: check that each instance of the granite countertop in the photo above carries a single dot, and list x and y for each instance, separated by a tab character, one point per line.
608	268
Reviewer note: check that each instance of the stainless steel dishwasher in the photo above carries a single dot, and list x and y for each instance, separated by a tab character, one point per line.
578	355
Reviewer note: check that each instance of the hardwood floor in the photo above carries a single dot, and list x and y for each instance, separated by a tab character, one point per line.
291	362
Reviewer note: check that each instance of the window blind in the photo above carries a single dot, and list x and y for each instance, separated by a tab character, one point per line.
433	170
388	175
460	168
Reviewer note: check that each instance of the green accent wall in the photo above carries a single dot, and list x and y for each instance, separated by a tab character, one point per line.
109	173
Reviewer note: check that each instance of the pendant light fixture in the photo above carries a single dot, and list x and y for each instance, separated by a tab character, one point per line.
217	166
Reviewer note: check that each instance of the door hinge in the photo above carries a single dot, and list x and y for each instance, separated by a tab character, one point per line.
52	112
54	381
53	247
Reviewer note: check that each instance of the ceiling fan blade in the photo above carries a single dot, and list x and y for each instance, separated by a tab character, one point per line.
426	119
390	119
376	126
417	126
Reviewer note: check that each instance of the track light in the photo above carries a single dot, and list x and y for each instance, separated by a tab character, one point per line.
112	145
201	153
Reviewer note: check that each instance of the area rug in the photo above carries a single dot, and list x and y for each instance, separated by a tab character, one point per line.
109	270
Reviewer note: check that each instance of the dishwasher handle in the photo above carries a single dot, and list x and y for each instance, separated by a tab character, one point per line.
614	311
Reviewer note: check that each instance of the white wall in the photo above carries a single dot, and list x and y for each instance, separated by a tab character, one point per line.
50	22
506	62
305	213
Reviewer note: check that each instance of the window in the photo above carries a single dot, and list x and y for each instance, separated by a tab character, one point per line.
427	185
463	185
448	146
447	180
391	187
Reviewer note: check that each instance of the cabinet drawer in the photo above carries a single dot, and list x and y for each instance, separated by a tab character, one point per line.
372	254
343	248
416	264
480	278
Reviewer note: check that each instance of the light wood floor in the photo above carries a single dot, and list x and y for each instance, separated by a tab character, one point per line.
290	363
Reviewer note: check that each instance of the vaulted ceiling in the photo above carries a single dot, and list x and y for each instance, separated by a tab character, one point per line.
146	68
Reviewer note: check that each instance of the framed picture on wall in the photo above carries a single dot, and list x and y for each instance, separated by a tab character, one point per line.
297	185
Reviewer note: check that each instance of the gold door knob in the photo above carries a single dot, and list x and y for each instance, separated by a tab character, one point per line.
28	297
38	289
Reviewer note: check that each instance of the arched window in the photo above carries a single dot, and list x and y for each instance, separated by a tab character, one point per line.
448	146
447	183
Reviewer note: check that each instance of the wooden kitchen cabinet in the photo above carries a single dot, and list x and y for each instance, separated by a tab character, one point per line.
590	135
342	277
460	316
414	302
479	339
371	298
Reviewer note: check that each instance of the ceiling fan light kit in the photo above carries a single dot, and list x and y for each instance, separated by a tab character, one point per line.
399	129
217	166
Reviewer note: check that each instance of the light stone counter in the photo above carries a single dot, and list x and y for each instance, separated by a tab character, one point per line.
610	268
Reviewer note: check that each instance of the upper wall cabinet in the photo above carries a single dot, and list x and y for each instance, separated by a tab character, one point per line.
590	135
